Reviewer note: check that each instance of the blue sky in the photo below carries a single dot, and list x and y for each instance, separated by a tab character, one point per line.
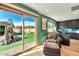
16	18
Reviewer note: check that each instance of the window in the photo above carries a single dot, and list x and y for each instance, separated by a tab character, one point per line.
51	26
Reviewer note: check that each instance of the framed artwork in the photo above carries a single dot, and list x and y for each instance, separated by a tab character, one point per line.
44	25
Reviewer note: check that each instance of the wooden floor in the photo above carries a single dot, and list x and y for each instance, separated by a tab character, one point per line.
72	50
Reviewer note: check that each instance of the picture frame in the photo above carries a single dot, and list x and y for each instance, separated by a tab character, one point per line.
44	24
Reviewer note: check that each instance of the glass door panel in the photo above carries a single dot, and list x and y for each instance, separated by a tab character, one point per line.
10	33
29	32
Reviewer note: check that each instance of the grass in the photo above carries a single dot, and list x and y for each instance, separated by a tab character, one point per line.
28	39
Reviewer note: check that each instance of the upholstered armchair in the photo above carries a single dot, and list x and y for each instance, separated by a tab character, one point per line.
51	45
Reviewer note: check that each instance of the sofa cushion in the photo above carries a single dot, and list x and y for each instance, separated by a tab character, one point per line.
65	39
52	35
51	40
52	45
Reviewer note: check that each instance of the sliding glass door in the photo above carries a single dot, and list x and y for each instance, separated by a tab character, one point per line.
17	32
29	32
10	33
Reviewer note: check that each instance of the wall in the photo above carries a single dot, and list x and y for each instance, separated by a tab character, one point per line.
69	24
41	33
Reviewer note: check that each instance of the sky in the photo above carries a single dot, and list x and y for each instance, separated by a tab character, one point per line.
16	18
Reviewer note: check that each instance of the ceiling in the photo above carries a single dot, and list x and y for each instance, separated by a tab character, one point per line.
57	11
